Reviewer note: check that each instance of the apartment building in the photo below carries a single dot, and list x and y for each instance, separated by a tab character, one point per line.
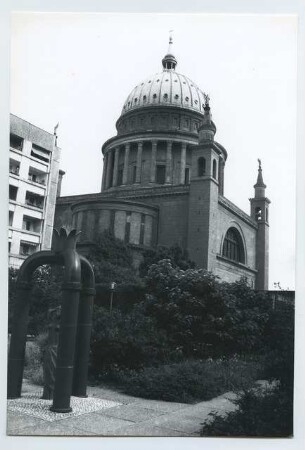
33	187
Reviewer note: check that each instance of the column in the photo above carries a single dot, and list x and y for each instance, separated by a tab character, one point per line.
108	168
103	187
115	166
168	175
139	162
182	163
153	161
126	162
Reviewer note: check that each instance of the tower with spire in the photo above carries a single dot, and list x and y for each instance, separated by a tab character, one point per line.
205	186
260	213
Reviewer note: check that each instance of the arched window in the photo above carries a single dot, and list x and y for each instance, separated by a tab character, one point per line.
258	213
201	166
214	168
233	246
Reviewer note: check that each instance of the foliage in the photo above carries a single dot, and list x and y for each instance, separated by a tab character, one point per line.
203	316
46	293
111	259
190	381
268	415
33	367
126	340
178	258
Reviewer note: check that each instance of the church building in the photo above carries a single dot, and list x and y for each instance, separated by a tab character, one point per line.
163	184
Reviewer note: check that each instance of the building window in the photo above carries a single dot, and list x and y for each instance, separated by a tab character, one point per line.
201	166
27	248
187	176
40	153
214	168
142	229
31	224
9	247
13	192
35	200
14	167
233	246
127	227
160	174
37	176
10	218
267	215
16	142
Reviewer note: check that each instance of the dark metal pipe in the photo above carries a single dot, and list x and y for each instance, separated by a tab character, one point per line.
84	330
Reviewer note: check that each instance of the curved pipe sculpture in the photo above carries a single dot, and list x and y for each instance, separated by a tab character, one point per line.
75	322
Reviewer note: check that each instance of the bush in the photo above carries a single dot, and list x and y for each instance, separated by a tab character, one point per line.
268	415
190	381
126	340
203	316
33	366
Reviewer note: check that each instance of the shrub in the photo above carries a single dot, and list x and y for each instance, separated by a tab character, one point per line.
190	381
126	340
33	367
268	415
203	316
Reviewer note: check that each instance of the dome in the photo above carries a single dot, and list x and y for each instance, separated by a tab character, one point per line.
167	88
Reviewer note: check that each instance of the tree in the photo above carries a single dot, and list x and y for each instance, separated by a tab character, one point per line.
178	258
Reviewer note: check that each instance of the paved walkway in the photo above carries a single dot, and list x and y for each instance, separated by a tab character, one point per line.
120	415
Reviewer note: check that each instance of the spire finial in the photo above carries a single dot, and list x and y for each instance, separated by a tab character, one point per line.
170	42
260	182
169	62
259	164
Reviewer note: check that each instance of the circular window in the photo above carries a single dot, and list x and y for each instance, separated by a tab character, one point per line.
166	79
165	96
158	80
155	96
176	96
196	101
149	81
186	99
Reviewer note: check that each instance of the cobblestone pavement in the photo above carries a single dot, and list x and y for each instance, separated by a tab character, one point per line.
109	413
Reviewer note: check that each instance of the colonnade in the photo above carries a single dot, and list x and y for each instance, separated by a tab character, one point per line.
111	164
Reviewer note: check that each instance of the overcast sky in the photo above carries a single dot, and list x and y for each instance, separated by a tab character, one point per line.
78	69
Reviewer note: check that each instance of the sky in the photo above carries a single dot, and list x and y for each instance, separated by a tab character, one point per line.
78	69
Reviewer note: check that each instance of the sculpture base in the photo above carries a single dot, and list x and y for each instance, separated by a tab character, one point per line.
60	410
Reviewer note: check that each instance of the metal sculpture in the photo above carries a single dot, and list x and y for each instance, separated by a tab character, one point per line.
75	321
50	354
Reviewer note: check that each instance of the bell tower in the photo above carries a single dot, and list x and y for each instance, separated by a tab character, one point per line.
203	197
260	213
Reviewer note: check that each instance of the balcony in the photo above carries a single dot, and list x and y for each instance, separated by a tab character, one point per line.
16	142
14	170
34	200
35	179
